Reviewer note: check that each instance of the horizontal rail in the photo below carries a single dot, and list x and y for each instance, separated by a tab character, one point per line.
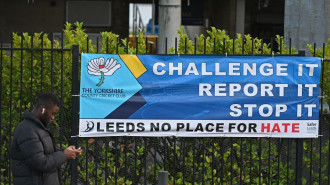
36	49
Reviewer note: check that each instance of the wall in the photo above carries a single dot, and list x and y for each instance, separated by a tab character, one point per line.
19	15
306	22
222	15
264	19
49	16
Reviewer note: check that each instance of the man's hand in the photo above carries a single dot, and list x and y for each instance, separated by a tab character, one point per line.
79	151
70	152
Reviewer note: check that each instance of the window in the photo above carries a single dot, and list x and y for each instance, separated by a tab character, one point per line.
91	13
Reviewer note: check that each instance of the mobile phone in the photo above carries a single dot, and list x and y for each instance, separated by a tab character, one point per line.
79	148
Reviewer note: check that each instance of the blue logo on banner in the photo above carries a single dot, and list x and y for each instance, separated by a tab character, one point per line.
106	83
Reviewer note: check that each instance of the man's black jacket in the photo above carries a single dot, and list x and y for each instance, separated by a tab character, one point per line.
34	157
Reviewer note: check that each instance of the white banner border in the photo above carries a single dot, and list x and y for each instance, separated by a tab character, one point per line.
198	128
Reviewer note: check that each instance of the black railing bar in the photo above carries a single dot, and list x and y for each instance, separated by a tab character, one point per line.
299	160
87	40
176	45
145	140
222	161
241	161
174	159
288	161
194	158
165	45
224	46
290	143
156	46
314	49
1	105
11	105
107	46
280	45
21	83
184	161
322	115
127	45
262	46
97	45
271	45
137	45
86	159
31	87
213	159
106	159
231	160
290	45
116	157
135	161
117	45
243	45
75	108
311	162
233	46
155	159
62	99
185	46
328	138
1	66
42	63
204	45
251	160
252	47
195	46
214	49
36	49
278	159
203	167
52	64
165	153
323	52
259	160
269	164
96	160
125	158
62	38
146	45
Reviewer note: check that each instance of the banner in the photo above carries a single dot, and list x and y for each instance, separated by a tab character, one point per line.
199	96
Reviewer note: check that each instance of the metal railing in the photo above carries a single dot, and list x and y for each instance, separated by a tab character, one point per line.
137	20
27	71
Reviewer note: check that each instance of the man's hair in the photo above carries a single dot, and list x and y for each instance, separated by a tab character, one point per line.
47	99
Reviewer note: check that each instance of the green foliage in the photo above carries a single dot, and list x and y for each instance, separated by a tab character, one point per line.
283	48
323	52
218	42
136	160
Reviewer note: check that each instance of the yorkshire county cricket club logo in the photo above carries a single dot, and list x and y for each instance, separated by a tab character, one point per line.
108	86
98	67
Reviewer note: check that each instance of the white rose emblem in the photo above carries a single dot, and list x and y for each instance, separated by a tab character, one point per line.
98	67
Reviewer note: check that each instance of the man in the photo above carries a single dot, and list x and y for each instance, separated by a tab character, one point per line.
34	158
